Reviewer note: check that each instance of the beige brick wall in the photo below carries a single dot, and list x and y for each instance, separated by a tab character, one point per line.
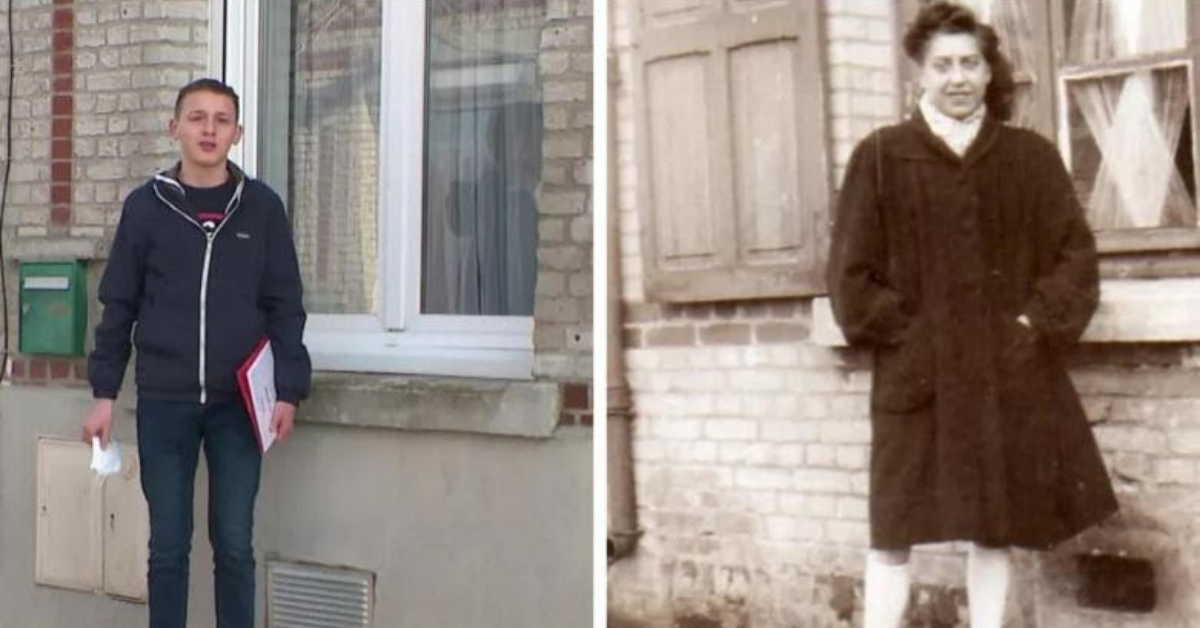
563	302
106	73
751	443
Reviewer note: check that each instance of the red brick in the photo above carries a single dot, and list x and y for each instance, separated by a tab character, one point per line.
64	3
64	63
37	369
60	171
60	215
585	419
63	41
61	149
81	370
63	105
18	368
60	193
63	18
575	397
61	127
62	85
60	369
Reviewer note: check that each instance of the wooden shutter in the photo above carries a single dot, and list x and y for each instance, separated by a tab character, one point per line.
732	171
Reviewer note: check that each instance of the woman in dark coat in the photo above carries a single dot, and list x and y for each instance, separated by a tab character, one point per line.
961	256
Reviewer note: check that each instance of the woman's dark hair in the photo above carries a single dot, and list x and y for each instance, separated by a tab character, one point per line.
942	17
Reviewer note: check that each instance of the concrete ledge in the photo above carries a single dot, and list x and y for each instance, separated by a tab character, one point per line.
1131	310
502	408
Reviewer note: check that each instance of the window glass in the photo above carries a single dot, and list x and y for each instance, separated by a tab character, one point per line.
1131	149
483	157
1103	30
331	106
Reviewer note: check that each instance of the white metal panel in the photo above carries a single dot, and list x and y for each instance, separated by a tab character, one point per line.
126	534
68	544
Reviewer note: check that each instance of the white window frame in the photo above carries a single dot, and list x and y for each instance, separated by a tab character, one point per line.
400	339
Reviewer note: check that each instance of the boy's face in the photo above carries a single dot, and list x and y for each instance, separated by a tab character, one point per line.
206	129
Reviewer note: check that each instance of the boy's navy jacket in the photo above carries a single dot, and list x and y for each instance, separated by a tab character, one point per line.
198	303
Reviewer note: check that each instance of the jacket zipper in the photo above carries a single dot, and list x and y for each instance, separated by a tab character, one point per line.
230	208
204	313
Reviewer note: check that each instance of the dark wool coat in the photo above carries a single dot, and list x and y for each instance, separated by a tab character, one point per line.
977	432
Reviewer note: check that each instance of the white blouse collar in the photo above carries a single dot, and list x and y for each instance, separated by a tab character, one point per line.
957	134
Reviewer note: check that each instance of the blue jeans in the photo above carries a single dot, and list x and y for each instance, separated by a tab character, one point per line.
170	434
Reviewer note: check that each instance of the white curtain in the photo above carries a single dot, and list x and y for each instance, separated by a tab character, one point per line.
1111	29
1135	119
1011	20
483	157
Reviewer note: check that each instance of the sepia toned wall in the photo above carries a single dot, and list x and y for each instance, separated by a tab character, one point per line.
751	429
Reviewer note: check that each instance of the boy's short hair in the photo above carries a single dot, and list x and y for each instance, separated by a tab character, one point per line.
207	85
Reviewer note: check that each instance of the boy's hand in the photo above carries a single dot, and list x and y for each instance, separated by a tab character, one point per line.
98	422
283	419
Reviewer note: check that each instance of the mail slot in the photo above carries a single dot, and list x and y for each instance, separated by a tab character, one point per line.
53	308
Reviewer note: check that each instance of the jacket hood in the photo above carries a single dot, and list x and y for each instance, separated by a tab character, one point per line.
169	189
170	177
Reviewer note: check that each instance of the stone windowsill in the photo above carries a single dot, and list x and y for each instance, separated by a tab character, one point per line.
494	407
491	407
1163	310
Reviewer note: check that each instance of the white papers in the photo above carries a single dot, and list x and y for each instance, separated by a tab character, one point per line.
105	461
256	378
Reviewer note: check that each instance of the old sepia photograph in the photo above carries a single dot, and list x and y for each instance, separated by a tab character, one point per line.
903	324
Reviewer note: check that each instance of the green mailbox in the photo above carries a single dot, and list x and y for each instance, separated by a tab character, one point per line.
53	308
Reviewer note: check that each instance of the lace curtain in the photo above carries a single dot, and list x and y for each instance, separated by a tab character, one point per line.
1134	120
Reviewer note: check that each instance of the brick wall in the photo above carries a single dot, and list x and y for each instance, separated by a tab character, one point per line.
751	442
94	88
563	302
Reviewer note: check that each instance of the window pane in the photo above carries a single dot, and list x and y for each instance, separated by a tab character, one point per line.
1101	30
1131	151
333	149
483	157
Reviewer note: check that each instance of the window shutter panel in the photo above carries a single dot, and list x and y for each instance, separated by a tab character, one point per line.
733	180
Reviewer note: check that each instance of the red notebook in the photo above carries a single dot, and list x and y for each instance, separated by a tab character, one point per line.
256	379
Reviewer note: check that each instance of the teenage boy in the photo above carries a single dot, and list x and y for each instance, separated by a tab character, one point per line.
203	262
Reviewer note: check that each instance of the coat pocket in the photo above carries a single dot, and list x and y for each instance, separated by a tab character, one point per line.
904	374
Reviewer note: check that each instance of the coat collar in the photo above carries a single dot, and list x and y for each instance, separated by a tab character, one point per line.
912	139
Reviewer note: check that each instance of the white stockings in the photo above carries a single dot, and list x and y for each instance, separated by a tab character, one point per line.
887	583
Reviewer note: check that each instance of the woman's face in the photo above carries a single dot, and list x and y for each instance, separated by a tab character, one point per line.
955	74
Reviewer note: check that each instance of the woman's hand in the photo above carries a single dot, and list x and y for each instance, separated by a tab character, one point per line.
283	419
98	422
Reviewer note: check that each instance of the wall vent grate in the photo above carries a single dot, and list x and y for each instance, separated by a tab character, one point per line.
312	596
